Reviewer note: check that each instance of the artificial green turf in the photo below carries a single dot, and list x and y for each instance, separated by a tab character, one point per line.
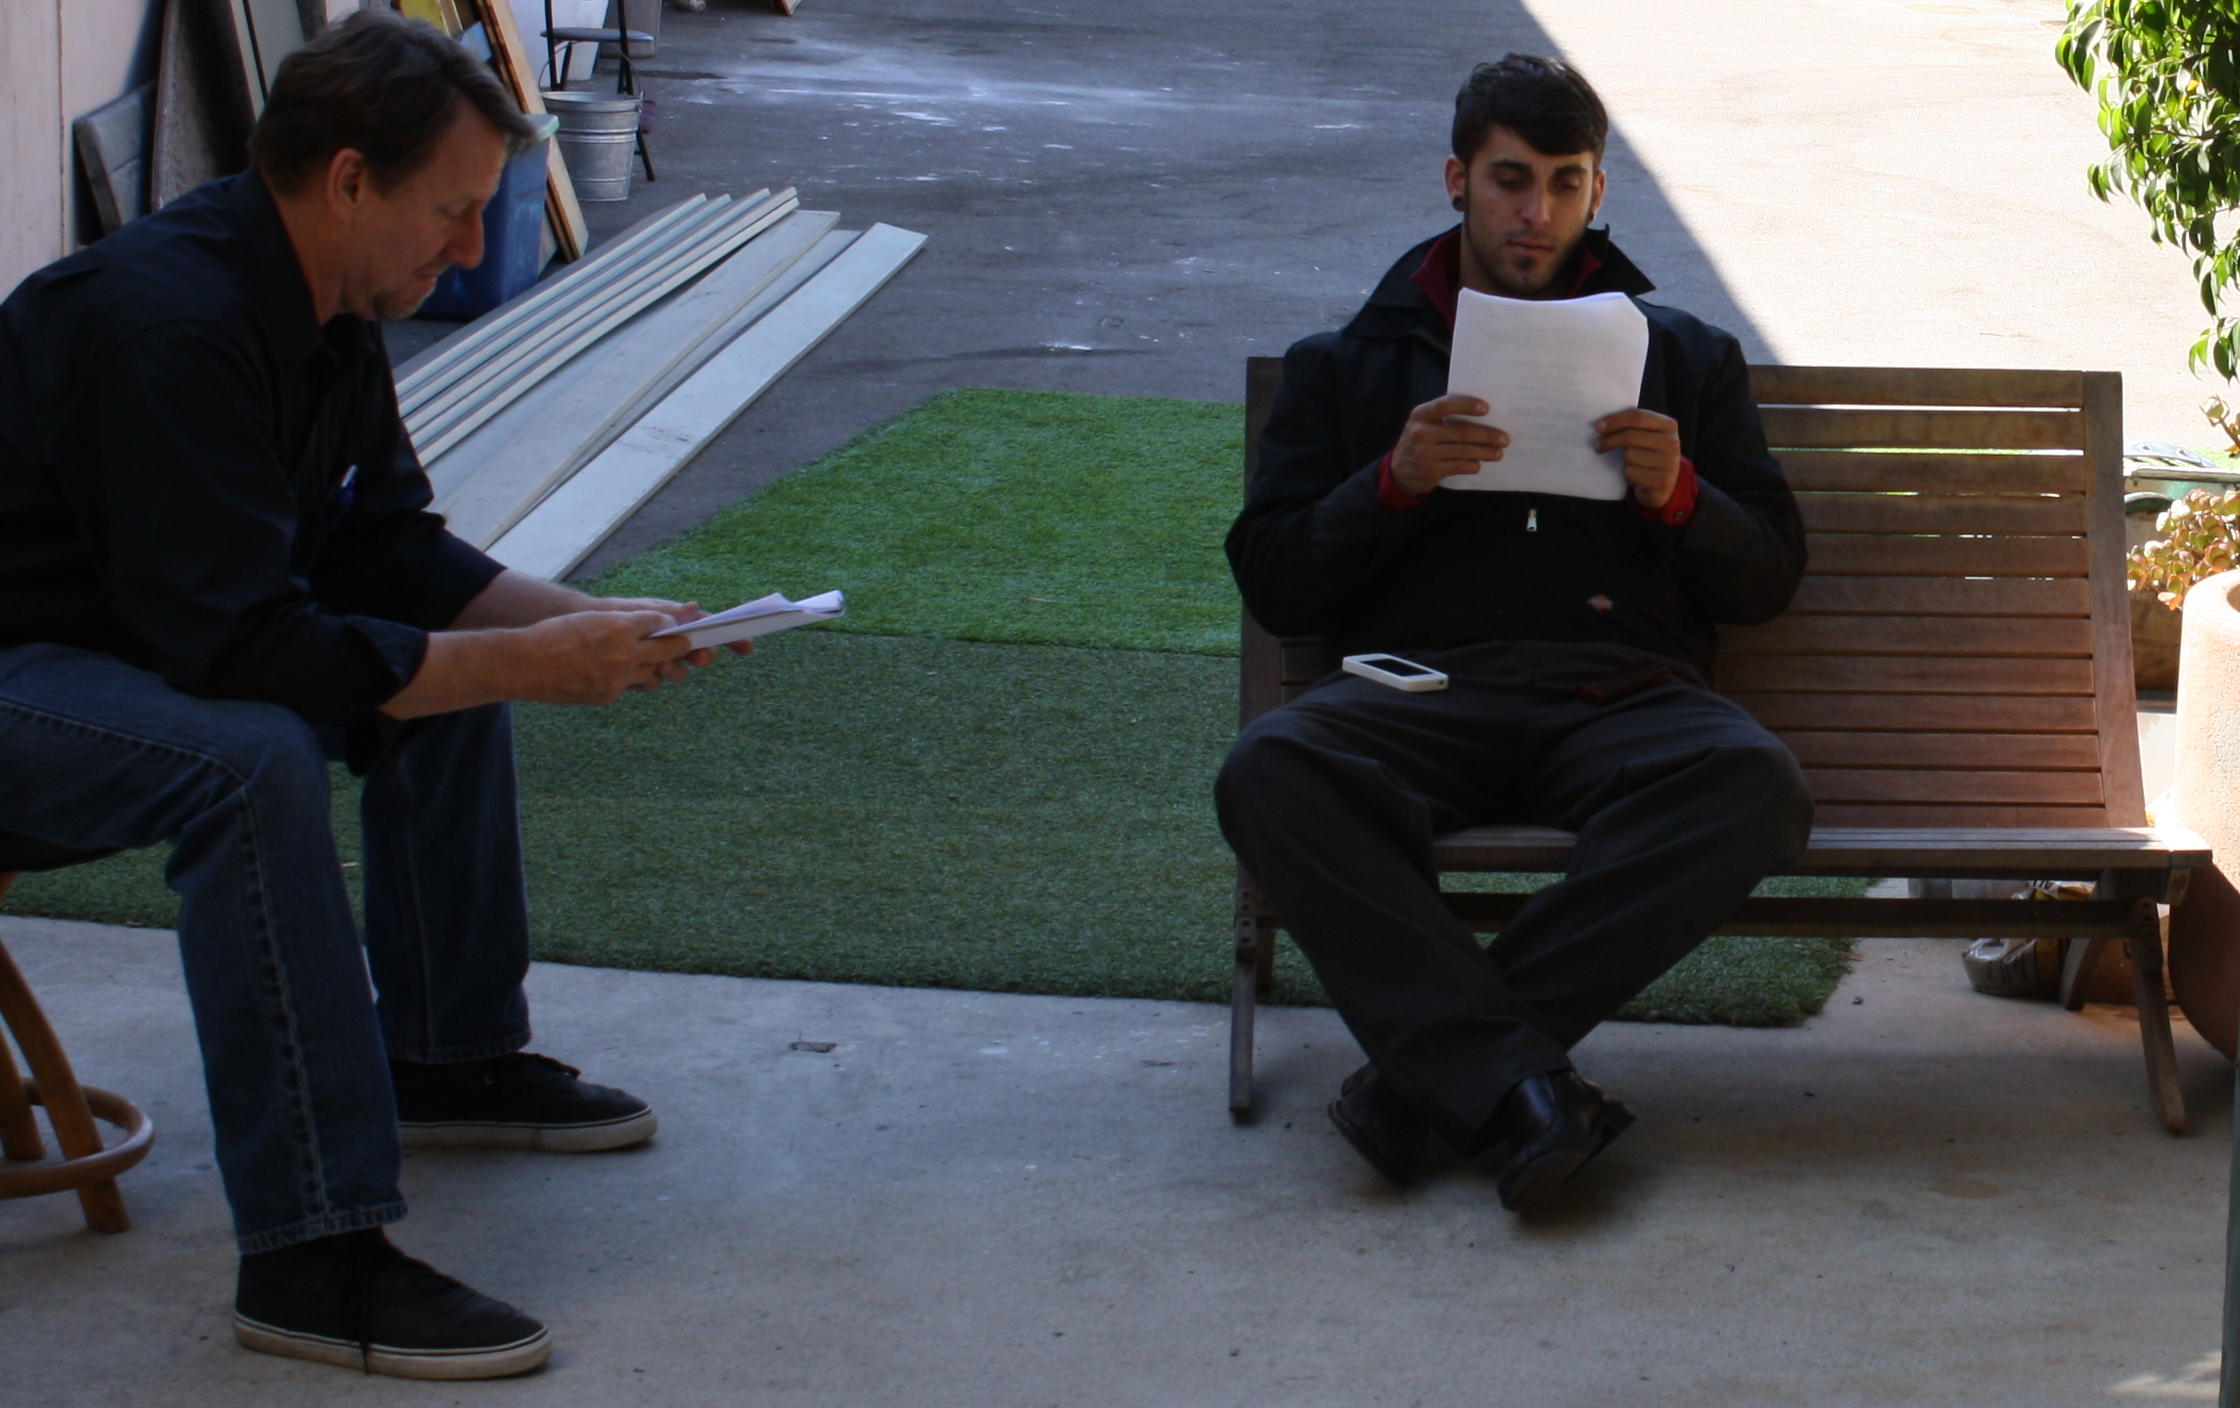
1036	517
926	808
939	813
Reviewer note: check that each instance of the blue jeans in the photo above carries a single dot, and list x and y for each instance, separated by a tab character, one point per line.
295	1041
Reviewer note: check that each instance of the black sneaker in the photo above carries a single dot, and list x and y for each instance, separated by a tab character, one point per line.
515	1102
358	1302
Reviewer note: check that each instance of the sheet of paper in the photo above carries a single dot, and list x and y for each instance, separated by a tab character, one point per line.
1549	370
763	616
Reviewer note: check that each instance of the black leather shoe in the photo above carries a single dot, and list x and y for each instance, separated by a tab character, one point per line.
1553	1124
1380	1127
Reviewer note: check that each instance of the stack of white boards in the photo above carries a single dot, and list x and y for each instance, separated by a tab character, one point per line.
544	425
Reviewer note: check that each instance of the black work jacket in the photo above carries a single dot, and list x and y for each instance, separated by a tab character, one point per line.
1316	552
198	478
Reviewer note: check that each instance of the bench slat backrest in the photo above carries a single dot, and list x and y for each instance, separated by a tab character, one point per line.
1959	653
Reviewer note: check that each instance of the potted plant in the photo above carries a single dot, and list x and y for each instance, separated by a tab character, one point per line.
2197	537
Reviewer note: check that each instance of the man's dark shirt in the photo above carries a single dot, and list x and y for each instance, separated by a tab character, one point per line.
1318	550
198	478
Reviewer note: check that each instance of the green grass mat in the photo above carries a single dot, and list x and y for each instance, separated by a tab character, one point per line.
1035	517
876	809
924	807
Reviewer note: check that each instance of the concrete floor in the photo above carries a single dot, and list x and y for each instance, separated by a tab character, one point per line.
1922	1197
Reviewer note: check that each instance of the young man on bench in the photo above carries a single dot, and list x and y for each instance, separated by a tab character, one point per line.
1577	636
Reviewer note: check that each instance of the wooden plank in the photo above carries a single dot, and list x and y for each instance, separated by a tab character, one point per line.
827	247
1877	850
1946	785
1839	917
1914	386
1805	708
519	70
2042	515
1879	555
581	513
568	304
616	381
1988	814
274	30
1792	634
1871	471
490	389
1829	593
1259	687
1900	674
1816	427
200	129
2114	687
1895	749
550	427
112	143
472	343
1803	916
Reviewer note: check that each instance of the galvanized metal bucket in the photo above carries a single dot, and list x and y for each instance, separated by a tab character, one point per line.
598	139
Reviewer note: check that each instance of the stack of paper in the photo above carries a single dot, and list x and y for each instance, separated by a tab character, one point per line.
761	617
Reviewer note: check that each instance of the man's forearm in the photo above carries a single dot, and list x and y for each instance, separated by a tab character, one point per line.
462	670
576	657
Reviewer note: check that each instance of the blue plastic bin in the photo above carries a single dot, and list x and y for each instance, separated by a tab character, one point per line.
512	240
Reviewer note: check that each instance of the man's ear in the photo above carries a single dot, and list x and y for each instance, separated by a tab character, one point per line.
1456	175
347	182
1601	181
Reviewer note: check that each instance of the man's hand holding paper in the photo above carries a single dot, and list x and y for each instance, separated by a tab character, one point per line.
1437	444
1649	446
1550	374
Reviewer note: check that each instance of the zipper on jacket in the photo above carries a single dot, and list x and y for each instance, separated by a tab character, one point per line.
1532	519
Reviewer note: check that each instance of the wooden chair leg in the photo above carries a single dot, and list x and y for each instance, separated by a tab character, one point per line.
19	1128
56	1086
2144	944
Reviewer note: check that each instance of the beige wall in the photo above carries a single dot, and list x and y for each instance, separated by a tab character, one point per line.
62	59
33	176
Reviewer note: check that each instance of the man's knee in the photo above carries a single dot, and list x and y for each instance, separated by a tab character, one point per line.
1271	757
1763	782
271	757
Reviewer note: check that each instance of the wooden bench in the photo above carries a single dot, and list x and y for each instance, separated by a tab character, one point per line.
1954	675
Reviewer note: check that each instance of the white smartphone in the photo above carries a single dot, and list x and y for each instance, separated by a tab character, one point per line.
1396	672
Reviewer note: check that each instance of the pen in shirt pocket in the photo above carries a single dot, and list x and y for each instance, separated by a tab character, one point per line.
346	489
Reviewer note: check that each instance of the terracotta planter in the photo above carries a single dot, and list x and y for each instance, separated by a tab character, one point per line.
2205	930
2154	644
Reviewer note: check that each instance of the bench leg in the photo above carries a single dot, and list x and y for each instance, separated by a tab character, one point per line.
2144	944
1255	933
2078	963
1242	1007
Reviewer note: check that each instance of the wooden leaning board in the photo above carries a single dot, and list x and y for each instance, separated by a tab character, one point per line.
1954	676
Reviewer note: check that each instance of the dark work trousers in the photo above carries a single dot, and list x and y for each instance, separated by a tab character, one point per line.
1681	802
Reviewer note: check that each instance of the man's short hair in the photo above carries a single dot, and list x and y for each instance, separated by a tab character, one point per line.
1545	101
383	86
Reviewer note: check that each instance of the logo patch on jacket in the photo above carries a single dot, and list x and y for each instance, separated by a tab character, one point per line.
1600	602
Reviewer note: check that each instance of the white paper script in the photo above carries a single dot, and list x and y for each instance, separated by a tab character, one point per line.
1549	370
